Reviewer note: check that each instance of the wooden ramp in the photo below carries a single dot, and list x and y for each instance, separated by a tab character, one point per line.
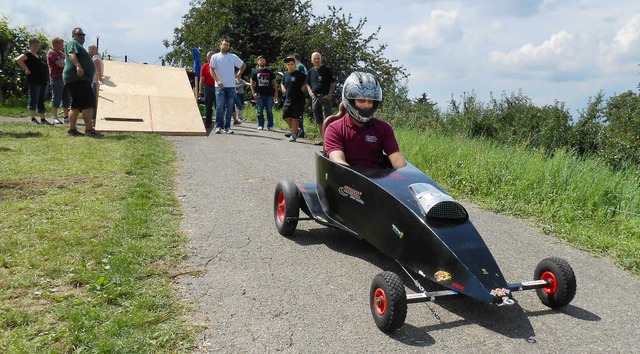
147	98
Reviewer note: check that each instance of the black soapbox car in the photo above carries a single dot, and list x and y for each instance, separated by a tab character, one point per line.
407	216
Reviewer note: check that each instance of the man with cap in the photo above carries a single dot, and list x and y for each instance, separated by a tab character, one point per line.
263	89
293	88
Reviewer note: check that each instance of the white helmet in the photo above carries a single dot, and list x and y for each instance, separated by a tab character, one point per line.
361	85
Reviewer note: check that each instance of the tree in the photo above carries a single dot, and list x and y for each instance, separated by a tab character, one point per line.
280	28
622	144
253	27
13	42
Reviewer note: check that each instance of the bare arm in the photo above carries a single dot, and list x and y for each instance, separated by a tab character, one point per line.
74	60
99	70
20	61
215	77
241	70
338	157
397	160
275	89
331	88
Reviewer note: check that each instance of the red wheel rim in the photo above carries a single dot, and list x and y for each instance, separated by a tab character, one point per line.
553	283
380	301
281	207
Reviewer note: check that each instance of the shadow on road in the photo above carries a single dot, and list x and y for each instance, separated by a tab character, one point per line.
509	321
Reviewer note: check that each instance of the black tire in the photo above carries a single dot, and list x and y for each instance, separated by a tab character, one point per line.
388	301
563	284
286	205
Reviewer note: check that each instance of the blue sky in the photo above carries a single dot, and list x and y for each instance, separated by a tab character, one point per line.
565	50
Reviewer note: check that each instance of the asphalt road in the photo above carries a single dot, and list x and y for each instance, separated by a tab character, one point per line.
259	292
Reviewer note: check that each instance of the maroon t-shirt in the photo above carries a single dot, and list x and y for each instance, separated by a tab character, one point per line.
362	146
52	57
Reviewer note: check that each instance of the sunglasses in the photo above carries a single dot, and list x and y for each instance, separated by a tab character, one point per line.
81	34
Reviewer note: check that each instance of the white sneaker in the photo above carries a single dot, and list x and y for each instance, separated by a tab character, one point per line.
218	130
228	131
57	121
271	129
260	128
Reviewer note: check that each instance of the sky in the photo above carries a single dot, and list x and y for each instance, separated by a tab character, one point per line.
550	50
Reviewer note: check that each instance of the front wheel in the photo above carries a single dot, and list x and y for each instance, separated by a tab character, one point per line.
388	301
562	282
286	207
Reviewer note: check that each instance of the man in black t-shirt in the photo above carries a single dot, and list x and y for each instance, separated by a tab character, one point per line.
263	89
293	88
320	84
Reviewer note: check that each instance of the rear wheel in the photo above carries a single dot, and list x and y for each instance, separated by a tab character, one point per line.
388	301
286	207
562	282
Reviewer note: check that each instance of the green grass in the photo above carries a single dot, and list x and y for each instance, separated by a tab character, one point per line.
578	200
12	107
89	238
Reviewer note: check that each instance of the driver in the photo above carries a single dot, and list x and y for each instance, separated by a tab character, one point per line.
358	138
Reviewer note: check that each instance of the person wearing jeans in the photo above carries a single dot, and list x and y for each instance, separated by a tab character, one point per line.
222	67
263	88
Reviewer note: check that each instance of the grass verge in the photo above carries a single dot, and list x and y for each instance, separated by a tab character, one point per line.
579	200
89	239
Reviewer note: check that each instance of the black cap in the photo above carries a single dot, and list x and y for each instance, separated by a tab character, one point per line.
288	59
261	57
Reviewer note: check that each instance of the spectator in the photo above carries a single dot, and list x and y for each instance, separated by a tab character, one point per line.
293	88
97	78
208	89
300	67
263	89
37	78
358	138
238	113
78	74
55	60
320	85
222	67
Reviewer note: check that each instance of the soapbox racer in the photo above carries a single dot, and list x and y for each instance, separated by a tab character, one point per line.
407	216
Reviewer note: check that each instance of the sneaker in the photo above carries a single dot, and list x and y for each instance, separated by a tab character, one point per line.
270	129
242	119
287	135
237	122
93	133
35	121
260	128
228	131
66	120
218	130
74	132
301	134
57	121
292	138
45	122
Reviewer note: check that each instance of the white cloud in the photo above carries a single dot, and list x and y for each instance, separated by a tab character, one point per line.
626	43
559	57
442	28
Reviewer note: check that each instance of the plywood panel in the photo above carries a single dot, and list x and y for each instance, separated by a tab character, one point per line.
147	98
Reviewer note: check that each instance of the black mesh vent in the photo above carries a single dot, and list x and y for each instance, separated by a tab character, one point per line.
448	210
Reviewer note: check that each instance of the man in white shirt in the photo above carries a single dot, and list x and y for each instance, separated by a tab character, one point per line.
222	66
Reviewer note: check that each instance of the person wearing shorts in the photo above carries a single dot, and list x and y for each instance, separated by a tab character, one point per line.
78	74
293	88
